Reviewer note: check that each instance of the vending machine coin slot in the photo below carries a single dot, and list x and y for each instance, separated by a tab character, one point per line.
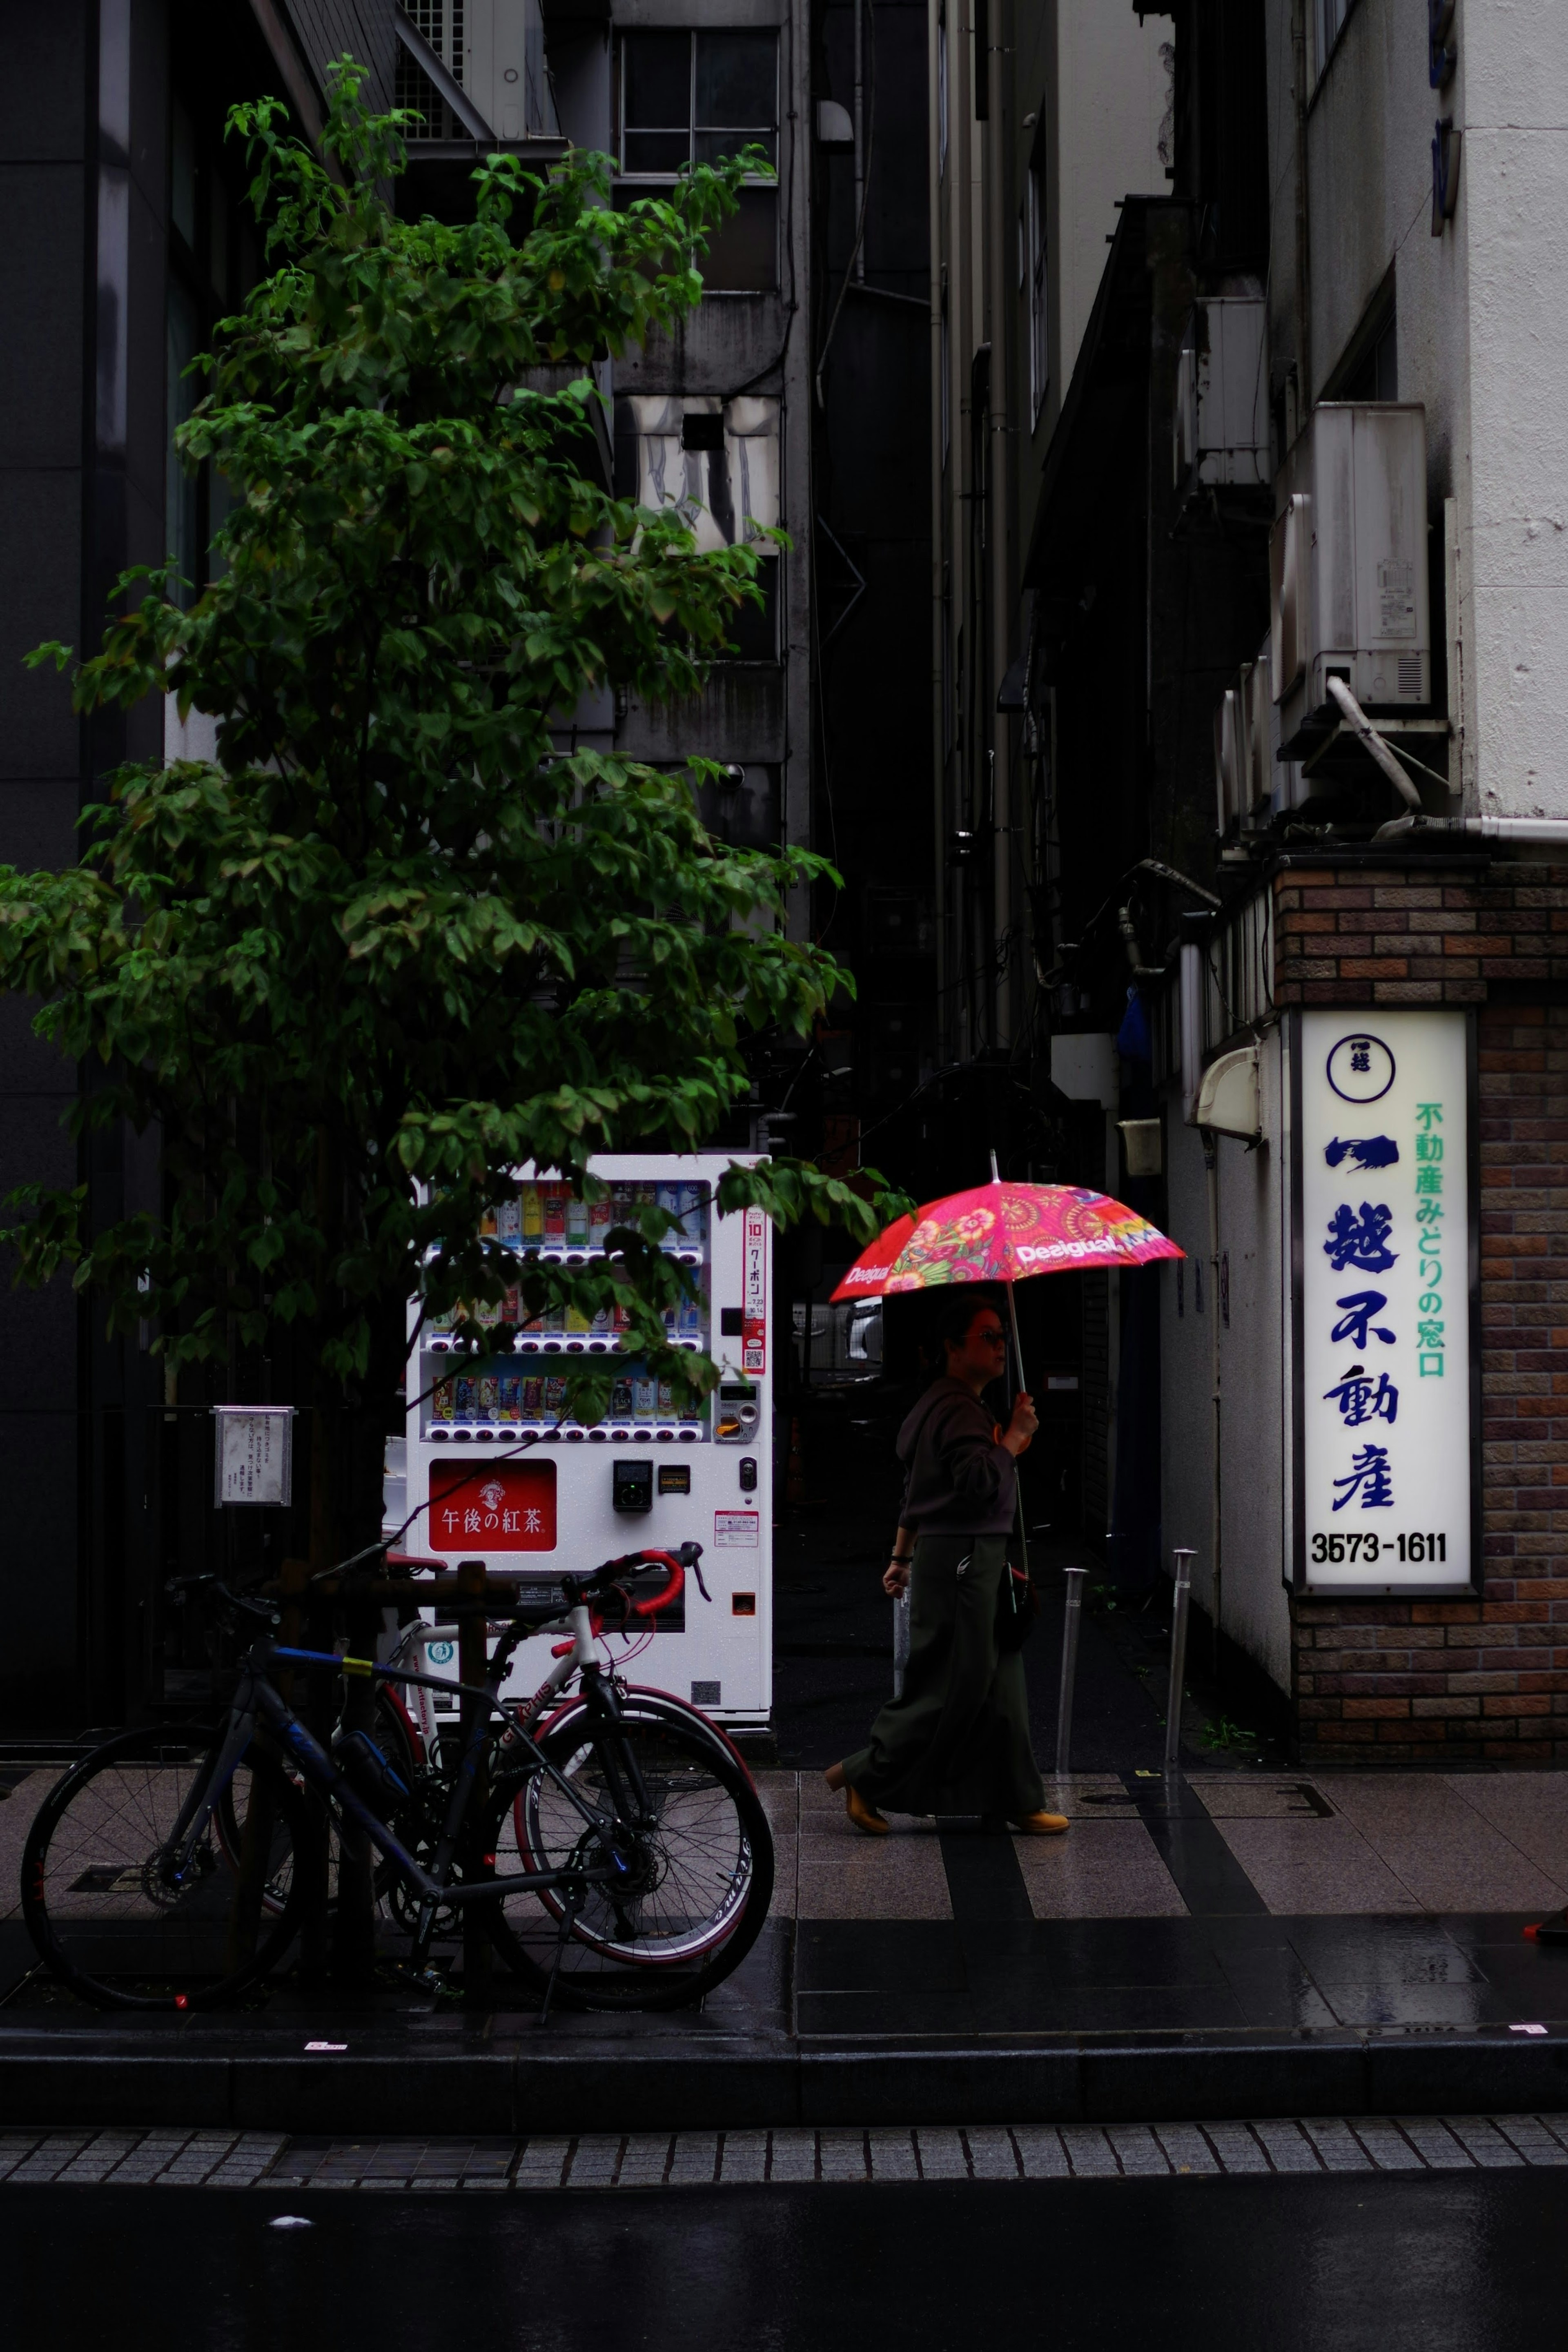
632	1485
735	1422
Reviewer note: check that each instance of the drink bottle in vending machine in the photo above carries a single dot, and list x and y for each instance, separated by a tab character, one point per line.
500	1469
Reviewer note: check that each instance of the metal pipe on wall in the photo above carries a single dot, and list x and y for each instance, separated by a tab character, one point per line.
997	22
1070	1626
1179	1601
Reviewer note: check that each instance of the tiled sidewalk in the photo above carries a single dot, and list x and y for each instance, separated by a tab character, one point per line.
785	2158
1227	1900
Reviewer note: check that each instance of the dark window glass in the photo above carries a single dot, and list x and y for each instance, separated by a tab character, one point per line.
753	631
737	82
658	71
743	257
734	78
657	151
711	145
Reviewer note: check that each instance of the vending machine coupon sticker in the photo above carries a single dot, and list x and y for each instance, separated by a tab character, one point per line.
754	1292
737	1530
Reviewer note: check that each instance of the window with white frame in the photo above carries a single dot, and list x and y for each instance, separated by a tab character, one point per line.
1036	280
693	97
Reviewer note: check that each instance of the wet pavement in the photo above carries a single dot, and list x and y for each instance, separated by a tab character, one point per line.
1241	1907
1467	2258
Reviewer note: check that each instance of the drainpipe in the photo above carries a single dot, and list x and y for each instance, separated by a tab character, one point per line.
1194	931
1216	1545
1362	727
1551	829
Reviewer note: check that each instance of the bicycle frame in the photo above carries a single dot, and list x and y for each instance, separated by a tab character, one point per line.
257	1700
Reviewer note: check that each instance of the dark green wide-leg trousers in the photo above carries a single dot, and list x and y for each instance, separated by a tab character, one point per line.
958	1740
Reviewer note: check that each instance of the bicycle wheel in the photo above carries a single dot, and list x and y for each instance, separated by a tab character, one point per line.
699	1872
98	1908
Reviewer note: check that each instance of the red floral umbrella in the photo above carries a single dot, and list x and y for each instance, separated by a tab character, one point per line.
1004	1233
867	1279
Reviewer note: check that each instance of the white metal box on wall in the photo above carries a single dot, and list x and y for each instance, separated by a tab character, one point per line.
1348	562
1221	427
498	1470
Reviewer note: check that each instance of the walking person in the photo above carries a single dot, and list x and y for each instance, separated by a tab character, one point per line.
957	1741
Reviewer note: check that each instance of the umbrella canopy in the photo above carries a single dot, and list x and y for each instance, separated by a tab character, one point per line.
867	1276
1004	1233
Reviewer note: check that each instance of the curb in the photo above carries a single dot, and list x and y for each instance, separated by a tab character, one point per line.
690	2086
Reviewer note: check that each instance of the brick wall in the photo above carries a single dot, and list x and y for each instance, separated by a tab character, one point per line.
1422	1680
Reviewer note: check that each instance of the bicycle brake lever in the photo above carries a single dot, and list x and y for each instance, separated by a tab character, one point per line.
691	1556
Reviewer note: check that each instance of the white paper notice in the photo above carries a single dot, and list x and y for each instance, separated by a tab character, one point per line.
254	1455
736	1531
1385	1223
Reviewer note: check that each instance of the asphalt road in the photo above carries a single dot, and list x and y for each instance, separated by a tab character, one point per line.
1428	2264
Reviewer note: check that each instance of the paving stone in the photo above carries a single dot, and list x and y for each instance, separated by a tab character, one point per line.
542	2163
1479	2140
792	2155
594	2161
1090	2153
991	2156
643	2160
1236	2148
1137	2148
744	2156
695	2160
842	2155
1287	2148
1440	2148
1388	2148
1042	2155
1532	2139
1186	2148
893	2155
943	2156
1337	2145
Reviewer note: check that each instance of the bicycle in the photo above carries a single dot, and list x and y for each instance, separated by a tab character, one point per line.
621	1860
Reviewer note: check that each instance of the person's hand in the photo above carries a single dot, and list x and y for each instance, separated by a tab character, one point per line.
895	1577
1021	1428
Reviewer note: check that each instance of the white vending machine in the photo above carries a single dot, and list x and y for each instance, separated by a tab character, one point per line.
649	1476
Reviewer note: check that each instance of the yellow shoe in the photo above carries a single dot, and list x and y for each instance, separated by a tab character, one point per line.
1041	1824
865	1817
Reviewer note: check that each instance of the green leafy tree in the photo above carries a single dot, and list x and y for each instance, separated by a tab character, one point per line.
389	944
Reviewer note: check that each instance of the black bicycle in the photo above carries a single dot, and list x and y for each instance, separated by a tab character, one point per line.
620	1858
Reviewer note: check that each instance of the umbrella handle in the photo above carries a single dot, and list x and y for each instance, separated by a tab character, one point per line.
1019	1483
1017	1348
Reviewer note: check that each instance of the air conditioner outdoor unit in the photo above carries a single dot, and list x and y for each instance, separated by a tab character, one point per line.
1221	429
1243	777
495	48
1347	559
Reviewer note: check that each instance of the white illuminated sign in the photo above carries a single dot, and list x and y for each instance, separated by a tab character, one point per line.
1384	1304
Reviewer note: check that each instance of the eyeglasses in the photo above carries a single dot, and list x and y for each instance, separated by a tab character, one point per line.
994	1338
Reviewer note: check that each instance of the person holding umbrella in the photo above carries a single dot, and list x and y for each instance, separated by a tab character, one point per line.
957	1741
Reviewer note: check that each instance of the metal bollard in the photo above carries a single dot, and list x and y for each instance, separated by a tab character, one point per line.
900	1641
1182	1594
1070	1624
